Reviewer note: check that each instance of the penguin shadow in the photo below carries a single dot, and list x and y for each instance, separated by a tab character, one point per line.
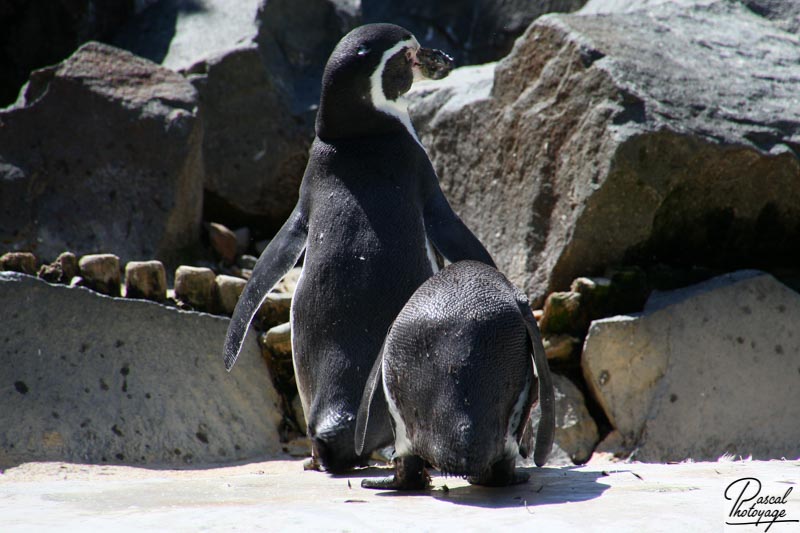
363	472
549	485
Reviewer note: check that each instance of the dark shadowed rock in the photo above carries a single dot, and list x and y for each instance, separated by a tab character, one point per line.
223	241
125	381
37	34
473	31
255	148
667	135
258	69
296	39
785	14
119	169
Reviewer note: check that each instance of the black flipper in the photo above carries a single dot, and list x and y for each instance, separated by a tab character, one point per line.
547	424
448	233
275	261
370	396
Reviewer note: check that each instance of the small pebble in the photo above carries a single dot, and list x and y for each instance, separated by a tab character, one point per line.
23	262
195	286
288	284
146	280
561	347
247	261
299	447
279	339
562	313
223	241
100	272
274	310
229	289
62	270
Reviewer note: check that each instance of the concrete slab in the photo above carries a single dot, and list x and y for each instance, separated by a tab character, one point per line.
280	496
89	378
706	370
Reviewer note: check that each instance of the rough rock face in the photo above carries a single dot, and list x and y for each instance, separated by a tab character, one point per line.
667	134
476	31
36	34
104	149
784	14
576	430
145	384
255	149
710	369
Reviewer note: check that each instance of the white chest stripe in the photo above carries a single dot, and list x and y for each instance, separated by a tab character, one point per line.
397	108
402	444
431	255
511	445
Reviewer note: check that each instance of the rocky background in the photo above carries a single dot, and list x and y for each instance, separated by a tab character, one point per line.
634	166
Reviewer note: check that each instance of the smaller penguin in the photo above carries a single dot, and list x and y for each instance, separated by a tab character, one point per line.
459	380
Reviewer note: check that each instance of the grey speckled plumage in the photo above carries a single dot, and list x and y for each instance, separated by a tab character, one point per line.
458	371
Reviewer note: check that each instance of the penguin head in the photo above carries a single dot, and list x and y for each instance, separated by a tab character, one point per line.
365	77
332	432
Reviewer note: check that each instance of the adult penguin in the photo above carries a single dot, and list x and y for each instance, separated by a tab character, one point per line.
369	213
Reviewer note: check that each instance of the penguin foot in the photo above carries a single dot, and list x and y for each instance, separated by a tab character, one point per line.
312	464
502	474
410	474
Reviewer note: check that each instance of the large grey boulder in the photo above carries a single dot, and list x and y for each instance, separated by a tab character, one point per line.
708	370
661	135
89	378
102	154
257	66
783	13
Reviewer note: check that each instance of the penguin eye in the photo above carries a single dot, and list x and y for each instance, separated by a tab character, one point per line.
362	50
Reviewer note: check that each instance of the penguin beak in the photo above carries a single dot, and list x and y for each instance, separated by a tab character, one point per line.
429	64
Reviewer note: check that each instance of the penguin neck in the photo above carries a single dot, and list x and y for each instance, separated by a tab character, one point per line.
339	118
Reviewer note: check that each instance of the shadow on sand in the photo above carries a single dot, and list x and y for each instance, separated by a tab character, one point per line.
546	486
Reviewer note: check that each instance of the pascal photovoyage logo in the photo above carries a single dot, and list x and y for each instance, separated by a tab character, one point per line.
750	507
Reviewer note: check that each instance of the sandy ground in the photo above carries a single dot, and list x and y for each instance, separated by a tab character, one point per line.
279	496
